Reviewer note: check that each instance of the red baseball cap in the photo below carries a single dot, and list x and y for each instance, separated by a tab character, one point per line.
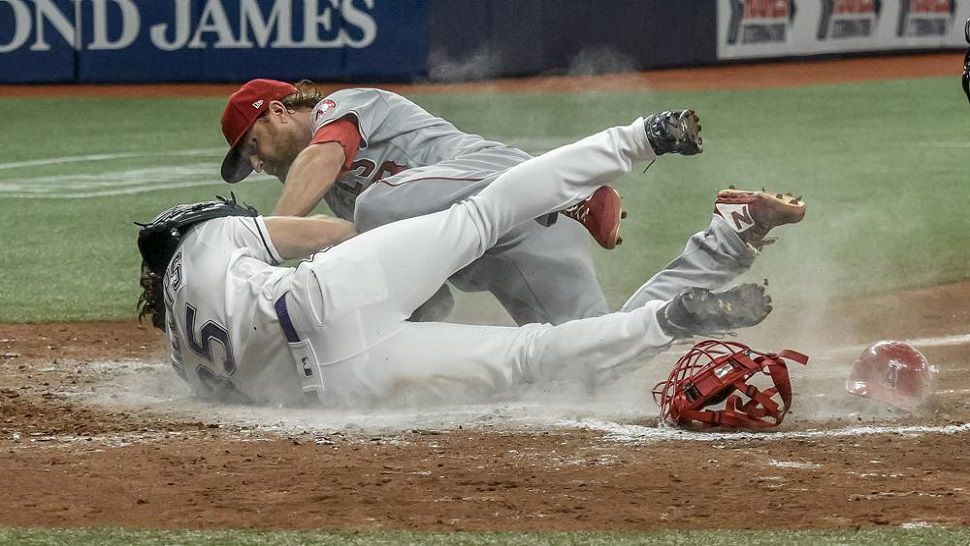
244	108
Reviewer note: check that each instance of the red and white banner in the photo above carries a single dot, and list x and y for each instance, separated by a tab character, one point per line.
782	28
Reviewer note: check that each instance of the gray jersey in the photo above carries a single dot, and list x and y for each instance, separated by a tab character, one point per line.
395	135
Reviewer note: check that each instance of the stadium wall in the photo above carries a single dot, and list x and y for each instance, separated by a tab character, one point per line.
117	41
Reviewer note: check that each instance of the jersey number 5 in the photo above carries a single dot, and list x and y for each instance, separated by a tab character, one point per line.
210	331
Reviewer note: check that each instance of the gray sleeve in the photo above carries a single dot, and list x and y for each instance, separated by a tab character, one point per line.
368	108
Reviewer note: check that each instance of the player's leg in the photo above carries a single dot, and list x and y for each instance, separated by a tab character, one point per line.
712	259
540	274
715	257
387	201
436	308
401	265
437	362
561	177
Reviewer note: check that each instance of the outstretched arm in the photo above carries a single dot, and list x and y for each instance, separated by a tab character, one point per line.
310	176
296	237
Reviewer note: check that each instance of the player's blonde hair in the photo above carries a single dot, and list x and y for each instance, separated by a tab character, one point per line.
307	96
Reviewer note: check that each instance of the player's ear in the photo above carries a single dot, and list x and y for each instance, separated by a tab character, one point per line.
276	108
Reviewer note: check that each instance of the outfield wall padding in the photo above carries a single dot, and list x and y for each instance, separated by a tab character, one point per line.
119	41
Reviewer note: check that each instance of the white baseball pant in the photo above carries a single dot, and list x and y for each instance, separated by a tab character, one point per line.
351	302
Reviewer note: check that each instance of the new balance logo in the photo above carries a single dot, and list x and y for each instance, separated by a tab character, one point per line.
257	104
739	216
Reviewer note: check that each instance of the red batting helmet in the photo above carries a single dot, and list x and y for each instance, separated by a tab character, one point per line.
718	371
892	372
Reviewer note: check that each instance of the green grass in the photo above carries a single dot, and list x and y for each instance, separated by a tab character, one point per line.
109	537
881	165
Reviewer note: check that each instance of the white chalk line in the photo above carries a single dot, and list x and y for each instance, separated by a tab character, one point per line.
944	144
942	341
161	391
112	182
947	392
638	433
108	157
117	182
953	340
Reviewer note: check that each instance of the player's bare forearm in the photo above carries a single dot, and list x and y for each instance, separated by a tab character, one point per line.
310	176
300	237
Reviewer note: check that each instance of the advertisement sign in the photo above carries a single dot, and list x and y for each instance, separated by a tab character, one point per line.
780	28
210	40
37	41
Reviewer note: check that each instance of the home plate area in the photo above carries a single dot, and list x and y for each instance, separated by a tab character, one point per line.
95	431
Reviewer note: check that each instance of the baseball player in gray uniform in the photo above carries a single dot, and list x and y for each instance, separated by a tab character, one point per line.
368	153
335	327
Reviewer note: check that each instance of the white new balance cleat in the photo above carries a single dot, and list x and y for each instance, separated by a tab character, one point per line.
752	214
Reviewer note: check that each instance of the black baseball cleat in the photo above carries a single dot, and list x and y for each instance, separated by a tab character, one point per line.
698	311
674	132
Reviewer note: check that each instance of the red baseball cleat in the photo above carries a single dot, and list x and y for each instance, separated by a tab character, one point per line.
753	214
600	214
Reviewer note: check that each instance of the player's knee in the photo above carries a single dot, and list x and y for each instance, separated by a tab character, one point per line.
367	214
435	309
374	210
483	224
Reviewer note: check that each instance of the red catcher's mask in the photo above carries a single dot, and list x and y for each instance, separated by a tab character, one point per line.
892	372
715	371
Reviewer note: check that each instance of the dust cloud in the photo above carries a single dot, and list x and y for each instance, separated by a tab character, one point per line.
814	284
595	60
482	64
486	63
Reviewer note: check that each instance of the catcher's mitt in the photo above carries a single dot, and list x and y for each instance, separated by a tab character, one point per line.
158	239
718	371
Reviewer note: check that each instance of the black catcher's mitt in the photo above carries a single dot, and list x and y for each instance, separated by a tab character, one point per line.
158	240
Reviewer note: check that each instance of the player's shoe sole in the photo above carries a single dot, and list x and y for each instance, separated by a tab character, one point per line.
600	214
698	311
752	214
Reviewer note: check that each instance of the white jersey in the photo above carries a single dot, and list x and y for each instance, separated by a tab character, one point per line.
220	288
395	135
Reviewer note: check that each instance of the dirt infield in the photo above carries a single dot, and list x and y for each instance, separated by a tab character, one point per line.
71	463
78	452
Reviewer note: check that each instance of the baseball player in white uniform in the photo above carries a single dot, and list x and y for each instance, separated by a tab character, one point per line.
368	153
335	327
